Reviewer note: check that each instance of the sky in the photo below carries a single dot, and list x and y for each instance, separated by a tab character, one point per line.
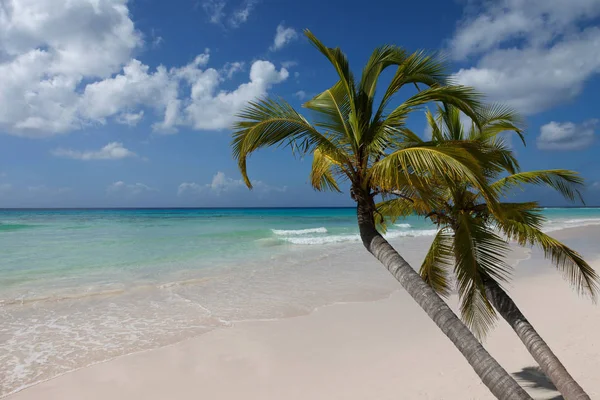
116	103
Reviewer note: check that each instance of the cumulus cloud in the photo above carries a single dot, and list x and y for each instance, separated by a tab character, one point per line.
47	48
112	151
128	190
131	119
532	54
566	135
221	184
67	66
283	36
211	109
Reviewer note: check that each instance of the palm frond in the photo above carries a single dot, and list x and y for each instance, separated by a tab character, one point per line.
332	108
436	132
566	182
427	162
439	259
574	268
322	172
381	58
339	61
274	122
418	68
479	255
496	118
464	98
501	156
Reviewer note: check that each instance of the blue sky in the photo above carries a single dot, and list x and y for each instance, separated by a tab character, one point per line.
129	103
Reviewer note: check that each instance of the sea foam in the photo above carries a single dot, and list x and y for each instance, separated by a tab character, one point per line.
319	240
295	232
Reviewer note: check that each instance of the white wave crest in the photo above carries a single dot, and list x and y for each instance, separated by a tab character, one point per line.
312	240
403	225
316	240
297	232
556	225
423	232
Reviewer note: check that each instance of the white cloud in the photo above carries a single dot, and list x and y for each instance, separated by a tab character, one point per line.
48	47
241	15
66	66
229	69
208	109
536	22
157	40
112	151
283	36
535	54
289	64
189	187
217	13
566	135
222	184
214	10
131	119
128	190
300	94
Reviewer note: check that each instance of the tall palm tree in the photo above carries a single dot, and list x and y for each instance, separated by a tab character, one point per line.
356	140
469	236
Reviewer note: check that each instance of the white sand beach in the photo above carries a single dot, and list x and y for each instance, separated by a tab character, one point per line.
384	349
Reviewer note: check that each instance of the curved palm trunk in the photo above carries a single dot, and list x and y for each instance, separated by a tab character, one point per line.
540	351
500	383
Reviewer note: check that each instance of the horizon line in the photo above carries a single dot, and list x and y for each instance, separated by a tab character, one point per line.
213	208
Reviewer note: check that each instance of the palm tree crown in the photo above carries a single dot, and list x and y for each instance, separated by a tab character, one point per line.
354	139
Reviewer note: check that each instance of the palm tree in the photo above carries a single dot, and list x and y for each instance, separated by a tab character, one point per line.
355	140
469	240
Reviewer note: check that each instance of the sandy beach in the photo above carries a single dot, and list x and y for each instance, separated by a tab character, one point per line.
384	349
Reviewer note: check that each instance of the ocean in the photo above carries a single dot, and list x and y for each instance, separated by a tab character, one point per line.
83	286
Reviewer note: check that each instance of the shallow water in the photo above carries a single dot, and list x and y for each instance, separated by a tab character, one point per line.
82	286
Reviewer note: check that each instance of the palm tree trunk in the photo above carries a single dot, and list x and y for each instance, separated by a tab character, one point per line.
499	382
540	351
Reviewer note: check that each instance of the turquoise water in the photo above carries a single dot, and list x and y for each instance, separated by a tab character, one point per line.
64	248
82	286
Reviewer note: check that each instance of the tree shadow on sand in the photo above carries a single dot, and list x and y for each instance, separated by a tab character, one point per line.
533	377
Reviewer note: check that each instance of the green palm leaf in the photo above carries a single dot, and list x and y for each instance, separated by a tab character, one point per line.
274	122
566	182
574	268
322	175
332	108
439	259
479	255
339	61
427	162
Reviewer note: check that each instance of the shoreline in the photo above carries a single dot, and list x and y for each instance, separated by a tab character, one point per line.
525	273
233	348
